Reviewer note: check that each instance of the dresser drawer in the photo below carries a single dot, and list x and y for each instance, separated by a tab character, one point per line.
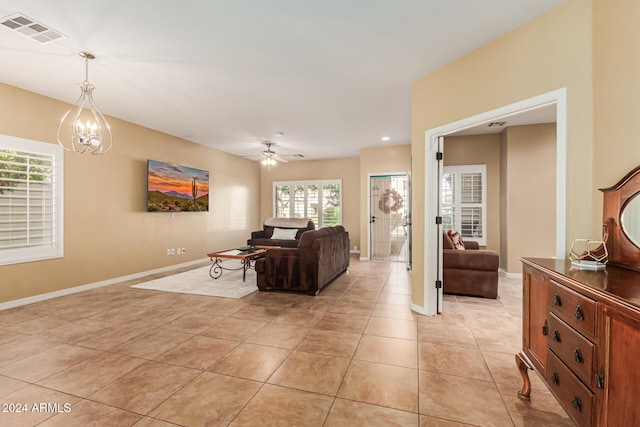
577	352
574	396
576	310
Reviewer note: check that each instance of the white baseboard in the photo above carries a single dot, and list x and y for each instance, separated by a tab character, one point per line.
82	288
417	308
364	258
509	275
420	310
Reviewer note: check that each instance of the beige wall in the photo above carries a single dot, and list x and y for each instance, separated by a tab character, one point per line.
616	101
108	233
378	160
354	174
345	169
478	150
521	209
529	194
548	53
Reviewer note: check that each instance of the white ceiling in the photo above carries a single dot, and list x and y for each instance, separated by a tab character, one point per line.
542	114
333	75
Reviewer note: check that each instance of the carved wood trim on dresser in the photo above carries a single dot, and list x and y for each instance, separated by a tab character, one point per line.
581	333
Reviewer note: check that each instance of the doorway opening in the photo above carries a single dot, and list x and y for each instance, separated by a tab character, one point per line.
389	218
432	302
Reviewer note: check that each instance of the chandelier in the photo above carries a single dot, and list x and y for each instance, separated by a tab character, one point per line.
83	127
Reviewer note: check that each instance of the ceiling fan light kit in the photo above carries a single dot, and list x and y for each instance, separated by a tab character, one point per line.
269	157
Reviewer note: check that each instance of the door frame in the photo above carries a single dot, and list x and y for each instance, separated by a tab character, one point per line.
433	253
369	213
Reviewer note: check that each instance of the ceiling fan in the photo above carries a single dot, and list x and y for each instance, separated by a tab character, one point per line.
270	158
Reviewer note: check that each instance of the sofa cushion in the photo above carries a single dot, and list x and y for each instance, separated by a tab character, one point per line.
273	242
456	239
287	222
308	237
264	237
284	233
471	260
447	243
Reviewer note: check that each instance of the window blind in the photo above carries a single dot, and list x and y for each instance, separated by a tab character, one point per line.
463	195
282	201
27	203
471	188
319	201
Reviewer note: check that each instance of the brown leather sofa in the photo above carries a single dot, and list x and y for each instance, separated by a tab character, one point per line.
321	256
471	271
264	237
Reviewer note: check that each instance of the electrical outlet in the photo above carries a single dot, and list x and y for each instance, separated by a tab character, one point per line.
168	251
173	251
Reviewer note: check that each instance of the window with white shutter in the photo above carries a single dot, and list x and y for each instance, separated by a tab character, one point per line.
464	201
320	201
30	200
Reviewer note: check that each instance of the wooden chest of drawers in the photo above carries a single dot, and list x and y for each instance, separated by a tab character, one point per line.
575	309
581	332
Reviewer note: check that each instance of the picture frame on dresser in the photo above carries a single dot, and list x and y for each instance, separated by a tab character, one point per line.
581	328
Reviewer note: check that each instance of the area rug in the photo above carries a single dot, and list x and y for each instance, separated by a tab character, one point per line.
198	281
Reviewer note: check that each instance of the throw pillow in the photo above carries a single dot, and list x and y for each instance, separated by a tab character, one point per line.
456	238
284	233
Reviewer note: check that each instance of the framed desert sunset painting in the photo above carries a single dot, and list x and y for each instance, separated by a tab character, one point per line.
176	188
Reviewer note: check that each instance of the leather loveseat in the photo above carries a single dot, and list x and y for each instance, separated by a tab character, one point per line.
470	271
321	256
265	237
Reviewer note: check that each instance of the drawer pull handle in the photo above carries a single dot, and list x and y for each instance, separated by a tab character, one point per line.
557	301
545	328
600	379
577	355
556	335
579	313
577	403
555	378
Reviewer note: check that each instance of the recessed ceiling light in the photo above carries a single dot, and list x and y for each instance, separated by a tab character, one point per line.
385	138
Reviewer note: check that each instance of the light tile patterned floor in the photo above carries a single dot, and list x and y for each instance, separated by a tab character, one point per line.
355	355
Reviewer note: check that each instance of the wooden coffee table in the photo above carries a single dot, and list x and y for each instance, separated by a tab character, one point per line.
246	260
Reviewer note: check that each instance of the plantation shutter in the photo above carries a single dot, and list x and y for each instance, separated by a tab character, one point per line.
471	211
331	195
27	203
313	197
464	201
448	200
282	201
319	201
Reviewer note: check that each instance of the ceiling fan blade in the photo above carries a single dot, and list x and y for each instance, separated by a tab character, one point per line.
279	159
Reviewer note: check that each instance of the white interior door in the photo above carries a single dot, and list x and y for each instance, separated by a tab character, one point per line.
438	251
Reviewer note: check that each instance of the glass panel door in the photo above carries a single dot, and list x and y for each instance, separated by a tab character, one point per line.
389	218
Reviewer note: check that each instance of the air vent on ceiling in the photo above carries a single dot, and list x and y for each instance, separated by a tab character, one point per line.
498	124
31	28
